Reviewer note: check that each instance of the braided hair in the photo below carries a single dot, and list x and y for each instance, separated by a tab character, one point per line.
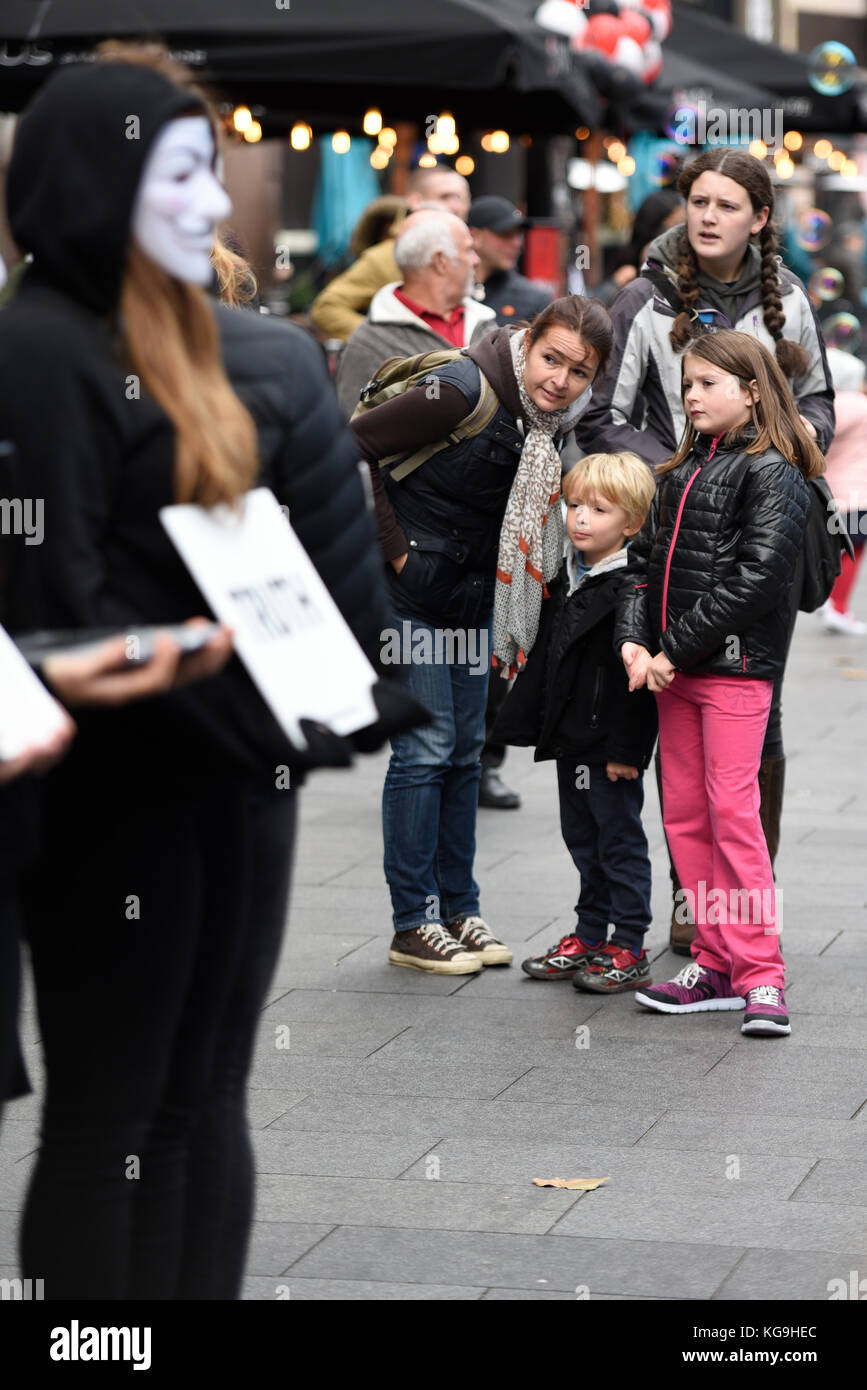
749	172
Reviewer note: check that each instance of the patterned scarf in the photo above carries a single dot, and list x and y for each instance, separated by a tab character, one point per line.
531	538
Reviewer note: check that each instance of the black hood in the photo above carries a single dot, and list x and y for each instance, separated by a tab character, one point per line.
76	167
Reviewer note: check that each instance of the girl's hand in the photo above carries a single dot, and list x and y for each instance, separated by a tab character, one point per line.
636	660
660	673
624	770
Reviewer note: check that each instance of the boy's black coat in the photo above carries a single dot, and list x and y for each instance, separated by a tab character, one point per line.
573	699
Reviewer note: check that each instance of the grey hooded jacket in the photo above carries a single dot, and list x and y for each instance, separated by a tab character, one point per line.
637	404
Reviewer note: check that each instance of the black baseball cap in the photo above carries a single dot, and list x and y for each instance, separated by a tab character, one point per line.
497	214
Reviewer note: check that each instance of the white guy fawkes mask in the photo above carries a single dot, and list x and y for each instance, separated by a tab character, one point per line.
180	201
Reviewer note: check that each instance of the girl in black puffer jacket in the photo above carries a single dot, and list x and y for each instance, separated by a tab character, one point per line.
707	590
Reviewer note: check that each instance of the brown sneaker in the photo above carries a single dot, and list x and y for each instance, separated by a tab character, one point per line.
476	936
432	947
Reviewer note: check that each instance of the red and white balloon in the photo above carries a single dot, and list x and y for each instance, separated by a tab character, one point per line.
627	33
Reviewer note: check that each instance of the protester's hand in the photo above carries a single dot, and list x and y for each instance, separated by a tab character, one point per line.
41	756
207	662
636	660
808	426
399	562
660	673
624	770
105	675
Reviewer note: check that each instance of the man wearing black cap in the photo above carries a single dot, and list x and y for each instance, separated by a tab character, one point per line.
498	235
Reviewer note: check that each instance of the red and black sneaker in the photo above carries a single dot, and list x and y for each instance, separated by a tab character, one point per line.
613	969
562	961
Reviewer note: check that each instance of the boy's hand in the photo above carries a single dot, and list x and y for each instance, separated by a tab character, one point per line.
636	659
617	770
660	673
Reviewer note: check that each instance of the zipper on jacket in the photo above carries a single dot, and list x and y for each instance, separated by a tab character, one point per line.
692	479
597	690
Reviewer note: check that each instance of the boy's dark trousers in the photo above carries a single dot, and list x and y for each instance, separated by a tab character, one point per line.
601	825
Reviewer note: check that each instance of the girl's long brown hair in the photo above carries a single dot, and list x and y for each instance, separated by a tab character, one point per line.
749	172
775	416
169	336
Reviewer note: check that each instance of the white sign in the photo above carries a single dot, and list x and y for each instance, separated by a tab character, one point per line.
29	715
289	633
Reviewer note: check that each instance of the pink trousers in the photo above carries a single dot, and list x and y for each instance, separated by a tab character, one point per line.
711	730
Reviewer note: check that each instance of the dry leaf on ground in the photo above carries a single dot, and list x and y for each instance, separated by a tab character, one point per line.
577	1184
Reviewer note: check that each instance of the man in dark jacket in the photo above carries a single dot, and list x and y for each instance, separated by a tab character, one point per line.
498	235
573	703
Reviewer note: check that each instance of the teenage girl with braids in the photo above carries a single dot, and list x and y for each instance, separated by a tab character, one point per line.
720	269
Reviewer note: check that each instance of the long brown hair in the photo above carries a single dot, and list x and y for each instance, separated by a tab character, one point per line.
747	171
586	317
169	336
236	280
775	415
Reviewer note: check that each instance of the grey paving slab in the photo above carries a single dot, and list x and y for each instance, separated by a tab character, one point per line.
683	1269
639	1169
430	1078
275	1245
326	1153
312	961
326	1038
349	1290
560	1296
849	946
432	1205
734	1132
835	1180
16	1140
14	1181
803	1274
367	969
264	1107
9	1239
415	1114
741	1221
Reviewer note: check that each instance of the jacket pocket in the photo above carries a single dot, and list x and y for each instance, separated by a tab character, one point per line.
500	446
432	572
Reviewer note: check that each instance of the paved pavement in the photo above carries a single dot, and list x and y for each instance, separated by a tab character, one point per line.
398	1135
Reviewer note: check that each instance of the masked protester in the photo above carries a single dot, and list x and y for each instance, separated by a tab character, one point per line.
155	908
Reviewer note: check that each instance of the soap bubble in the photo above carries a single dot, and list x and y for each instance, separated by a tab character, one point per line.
826	284
683	122
842	331
814	230
664	169
832	69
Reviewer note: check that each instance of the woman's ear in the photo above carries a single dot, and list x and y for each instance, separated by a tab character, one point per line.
759	221
754	392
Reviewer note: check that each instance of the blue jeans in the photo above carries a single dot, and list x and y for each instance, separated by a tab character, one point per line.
431	793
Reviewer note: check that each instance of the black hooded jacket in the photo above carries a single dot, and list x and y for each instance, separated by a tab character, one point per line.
76	436
710	574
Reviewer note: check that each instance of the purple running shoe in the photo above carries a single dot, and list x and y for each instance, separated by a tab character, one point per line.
693	990
766	1012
